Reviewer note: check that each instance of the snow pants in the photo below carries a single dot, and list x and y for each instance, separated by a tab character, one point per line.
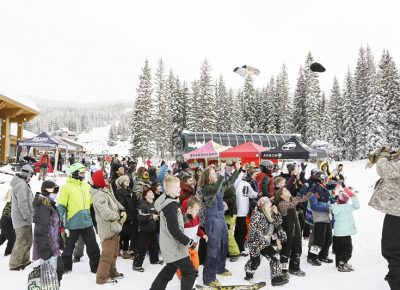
79	247
21	252
7	235
107	265
274	265
390	245
147	241
322	241
217	247
194	257
343	247
240	232
233	248
92	248
189	275
292	250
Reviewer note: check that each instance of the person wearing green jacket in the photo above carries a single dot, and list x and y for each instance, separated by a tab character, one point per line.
73	203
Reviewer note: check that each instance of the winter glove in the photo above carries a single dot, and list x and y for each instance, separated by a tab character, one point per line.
384	152
303	166
123	217
349	192
192	244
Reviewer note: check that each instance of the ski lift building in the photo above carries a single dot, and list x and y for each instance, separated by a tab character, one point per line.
193	140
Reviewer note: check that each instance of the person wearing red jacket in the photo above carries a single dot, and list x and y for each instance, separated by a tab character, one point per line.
44	165
190	208
265	179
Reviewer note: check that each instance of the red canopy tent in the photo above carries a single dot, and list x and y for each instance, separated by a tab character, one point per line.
247	152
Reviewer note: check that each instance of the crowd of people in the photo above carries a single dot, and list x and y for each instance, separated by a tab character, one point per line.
187	217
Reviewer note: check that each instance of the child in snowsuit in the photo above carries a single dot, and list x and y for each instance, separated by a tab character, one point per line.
321	206
262	227
6	226
190	208
46	235
147	237
292	248
344	228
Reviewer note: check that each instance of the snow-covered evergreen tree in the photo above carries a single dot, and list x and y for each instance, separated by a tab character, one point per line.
388	87
336	113
376	118
299	105
349	119
223	107
194	121
324	119
249	105
208	118
142	141
179	108
312	102
267	115
237	112
282	105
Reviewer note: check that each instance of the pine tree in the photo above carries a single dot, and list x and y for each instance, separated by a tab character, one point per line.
249	105
376	118
282	105
237	112
208	117
171	90
312	102
336	127
325	119
299	105
142	141
179	107
389	90
112	135
268	115
194	109
349	119
159	110
222	107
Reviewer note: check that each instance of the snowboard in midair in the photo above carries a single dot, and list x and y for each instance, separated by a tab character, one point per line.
254	286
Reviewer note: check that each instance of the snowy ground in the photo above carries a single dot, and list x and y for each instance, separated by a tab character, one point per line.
367	260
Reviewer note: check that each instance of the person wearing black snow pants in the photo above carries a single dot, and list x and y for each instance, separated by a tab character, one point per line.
322	240
6	226
386	199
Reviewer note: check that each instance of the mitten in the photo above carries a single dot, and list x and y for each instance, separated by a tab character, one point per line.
123	217
192	244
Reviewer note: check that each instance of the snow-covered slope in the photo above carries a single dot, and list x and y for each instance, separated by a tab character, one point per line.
367	260
95	142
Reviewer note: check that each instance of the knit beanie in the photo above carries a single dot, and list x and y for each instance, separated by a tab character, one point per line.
98	179
48	184
343	197
262	201
121	180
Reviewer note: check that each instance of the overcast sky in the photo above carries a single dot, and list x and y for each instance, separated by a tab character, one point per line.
94	50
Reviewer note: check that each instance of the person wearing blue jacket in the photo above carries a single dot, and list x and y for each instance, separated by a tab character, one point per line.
344	228
321	207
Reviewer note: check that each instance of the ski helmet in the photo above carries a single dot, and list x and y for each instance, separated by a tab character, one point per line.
266	166
75	169
320	176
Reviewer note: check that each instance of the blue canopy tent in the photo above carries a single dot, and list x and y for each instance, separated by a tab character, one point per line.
44	140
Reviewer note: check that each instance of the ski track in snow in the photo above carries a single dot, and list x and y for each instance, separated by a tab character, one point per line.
370	266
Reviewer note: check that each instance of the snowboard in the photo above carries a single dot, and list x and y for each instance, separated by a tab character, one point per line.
43	277
254	286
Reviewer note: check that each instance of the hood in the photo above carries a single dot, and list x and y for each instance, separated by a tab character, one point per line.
16	179
97	190
163	201
42	200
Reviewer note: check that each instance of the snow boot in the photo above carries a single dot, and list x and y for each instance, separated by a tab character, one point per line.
234	258
137	269
126	255
278	281
298	273
314	262
118	276
342	267
249	276
214	283
67	261
159	262
326	260
226	273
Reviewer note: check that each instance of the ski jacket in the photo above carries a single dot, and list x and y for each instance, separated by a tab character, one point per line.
265	184
22	199
5	221
174	243
73	203
320	204
386	196
107	210
344	220
126	197
192	228
230	200
186	192
46	234
145	218
261	231
244	192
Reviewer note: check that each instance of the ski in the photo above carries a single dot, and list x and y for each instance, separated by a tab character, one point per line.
254	286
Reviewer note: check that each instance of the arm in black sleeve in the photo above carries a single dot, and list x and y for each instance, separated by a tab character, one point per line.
42	221
171	218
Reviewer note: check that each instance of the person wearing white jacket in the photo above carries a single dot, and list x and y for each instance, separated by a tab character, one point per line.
244	192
